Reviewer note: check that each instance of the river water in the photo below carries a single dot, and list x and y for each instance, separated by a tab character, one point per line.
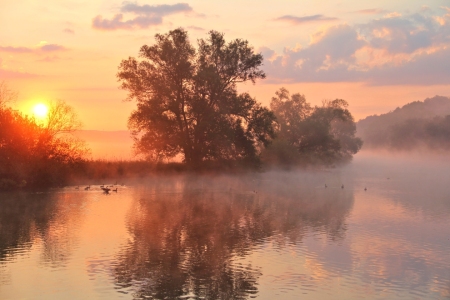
272	235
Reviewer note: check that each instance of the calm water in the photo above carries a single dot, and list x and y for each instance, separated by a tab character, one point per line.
277	235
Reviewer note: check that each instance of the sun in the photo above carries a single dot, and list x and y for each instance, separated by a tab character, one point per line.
40	110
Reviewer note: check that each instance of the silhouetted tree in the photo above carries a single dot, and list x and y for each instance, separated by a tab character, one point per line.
57	150
306	135
56	135
38	153
187	101
18	137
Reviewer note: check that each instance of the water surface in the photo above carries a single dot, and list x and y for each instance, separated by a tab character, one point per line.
273	235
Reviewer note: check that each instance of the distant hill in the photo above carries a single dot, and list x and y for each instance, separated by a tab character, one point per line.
419	124
109	145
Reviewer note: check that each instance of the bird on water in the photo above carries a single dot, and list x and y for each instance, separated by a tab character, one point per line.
342	186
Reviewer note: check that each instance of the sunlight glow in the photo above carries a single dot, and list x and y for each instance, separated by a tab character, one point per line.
40	110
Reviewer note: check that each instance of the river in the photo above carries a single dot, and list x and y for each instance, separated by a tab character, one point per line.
380	229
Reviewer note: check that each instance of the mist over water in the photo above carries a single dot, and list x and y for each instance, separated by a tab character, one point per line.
272	235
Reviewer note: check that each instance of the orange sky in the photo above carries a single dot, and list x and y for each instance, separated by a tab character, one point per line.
376	56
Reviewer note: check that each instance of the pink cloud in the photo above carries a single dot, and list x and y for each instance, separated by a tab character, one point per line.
49	59
8	74
16	49
40	49
52	48
145	16
371	11
307	19
410	49
117	22
69	31
160	10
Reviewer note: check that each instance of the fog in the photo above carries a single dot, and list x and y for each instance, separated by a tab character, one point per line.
420	125
417	180
377	224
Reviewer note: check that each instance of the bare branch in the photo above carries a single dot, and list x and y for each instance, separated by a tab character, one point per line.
61	118
6	94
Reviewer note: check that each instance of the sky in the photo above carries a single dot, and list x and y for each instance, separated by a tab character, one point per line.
377	55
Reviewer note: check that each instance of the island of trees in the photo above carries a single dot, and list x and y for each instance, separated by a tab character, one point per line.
188	108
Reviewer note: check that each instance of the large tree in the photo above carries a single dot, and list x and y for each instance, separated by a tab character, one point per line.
187	99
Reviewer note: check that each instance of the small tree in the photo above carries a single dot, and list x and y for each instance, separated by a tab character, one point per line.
306	135
291	112
330	134
187	100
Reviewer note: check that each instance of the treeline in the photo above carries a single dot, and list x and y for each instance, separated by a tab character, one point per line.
37	154
417	125
44	154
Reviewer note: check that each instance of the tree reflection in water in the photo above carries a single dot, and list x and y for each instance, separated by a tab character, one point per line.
22	217
187	233
50	217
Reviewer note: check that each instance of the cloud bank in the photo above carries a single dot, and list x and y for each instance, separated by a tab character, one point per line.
144	16
406	50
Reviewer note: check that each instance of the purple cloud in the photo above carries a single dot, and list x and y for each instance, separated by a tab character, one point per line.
118	23
425	69
69	31
160	10
307	19
411	49
146	16
52	48
330	54
402	34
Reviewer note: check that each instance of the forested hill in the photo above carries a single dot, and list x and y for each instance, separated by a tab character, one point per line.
419	124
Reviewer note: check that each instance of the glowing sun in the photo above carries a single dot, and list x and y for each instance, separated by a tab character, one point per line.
40	110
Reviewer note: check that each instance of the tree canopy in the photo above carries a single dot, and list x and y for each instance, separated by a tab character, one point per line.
312	135
188	103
